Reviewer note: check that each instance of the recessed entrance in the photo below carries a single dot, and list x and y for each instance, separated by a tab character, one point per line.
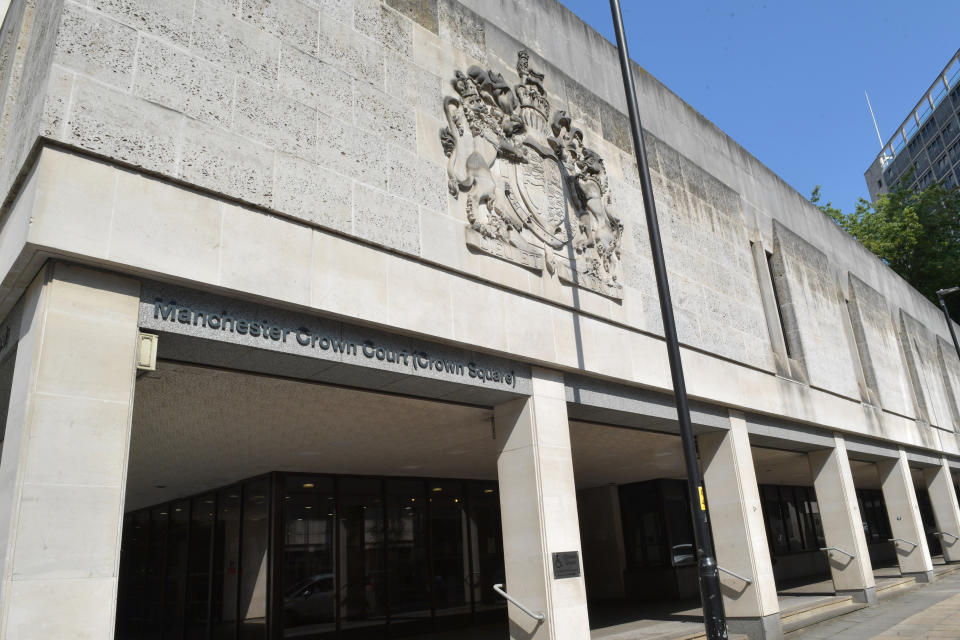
266	507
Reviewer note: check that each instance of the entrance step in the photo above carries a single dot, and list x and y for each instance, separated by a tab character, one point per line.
887	589
652	633
819	611
941	570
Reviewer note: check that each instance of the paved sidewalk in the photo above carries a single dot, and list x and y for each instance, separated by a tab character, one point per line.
926	611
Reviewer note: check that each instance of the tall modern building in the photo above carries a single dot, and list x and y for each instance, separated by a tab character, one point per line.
336	319
928	140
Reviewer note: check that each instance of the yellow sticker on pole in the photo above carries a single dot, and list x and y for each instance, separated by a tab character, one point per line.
703	502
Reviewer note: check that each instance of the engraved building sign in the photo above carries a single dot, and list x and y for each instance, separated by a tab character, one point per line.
534	194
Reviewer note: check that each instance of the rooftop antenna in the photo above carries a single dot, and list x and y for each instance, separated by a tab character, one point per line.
884	158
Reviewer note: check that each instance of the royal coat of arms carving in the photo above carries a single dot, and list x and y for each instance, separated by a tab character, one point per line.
534	194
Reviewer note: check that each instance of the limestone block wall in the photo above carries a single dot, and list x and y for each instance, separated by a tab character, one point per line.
27	43
325	115
950	367
712	278
923	360
329	112
878	344
813	313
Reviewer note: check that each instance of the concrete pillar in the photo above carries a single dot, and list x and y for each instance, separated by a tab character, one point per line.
739	534
64	463
900	499
842	522
538	506
946	511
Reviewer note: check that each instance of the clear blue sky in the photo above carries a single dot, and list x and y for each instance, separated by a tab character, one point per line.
785	78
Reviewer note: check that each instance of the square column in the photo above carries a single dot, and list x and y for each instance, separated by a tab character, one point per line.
739	534
538	506
913	555
64	463
842	522
946	511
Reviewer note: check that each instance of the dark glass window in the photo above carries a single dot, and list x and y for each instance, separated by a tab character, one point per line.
793	519
255	530
486	545
226	563
356	558
776	530
155	570
198	566
451	596
362	583
408	557
175	589
645	537
949	130
936	146
676	509
876	526
954	152
929	522
131	594
812	524
309	589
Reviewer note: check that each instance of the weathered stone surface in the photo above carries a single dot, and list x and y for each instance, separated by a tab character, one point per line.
417	180
384	25
950	367
292	21
124	127
386	220
584	106
168	19
462	28
353	152
57	100
340	10
414	85
218	160
615	127
275	120
172	77
315	83
96	46
706	244
344	48
423	12
224	39
920	348
812	312
313	193
878	345
383	115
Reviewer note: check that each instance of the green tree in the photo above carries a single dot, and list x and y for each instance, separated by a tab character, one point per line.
917	233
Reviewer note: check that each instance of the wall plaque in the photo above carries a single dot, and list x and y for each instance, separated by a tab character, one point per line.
566	564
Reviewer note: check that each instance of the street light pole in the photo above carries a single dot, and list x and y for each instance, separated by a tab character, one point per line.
946	314
714	618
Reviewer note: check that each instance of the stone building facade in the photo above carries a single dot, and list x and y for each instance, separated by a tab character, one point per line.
407	334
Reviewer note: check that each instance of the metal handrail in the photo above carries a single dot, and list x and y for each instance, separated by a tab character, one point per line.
915	545
735	575
539	617
846	553
944	533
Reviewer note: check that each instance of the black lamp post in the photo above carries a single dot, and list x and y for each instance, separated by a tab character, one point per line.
714	618
946	314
